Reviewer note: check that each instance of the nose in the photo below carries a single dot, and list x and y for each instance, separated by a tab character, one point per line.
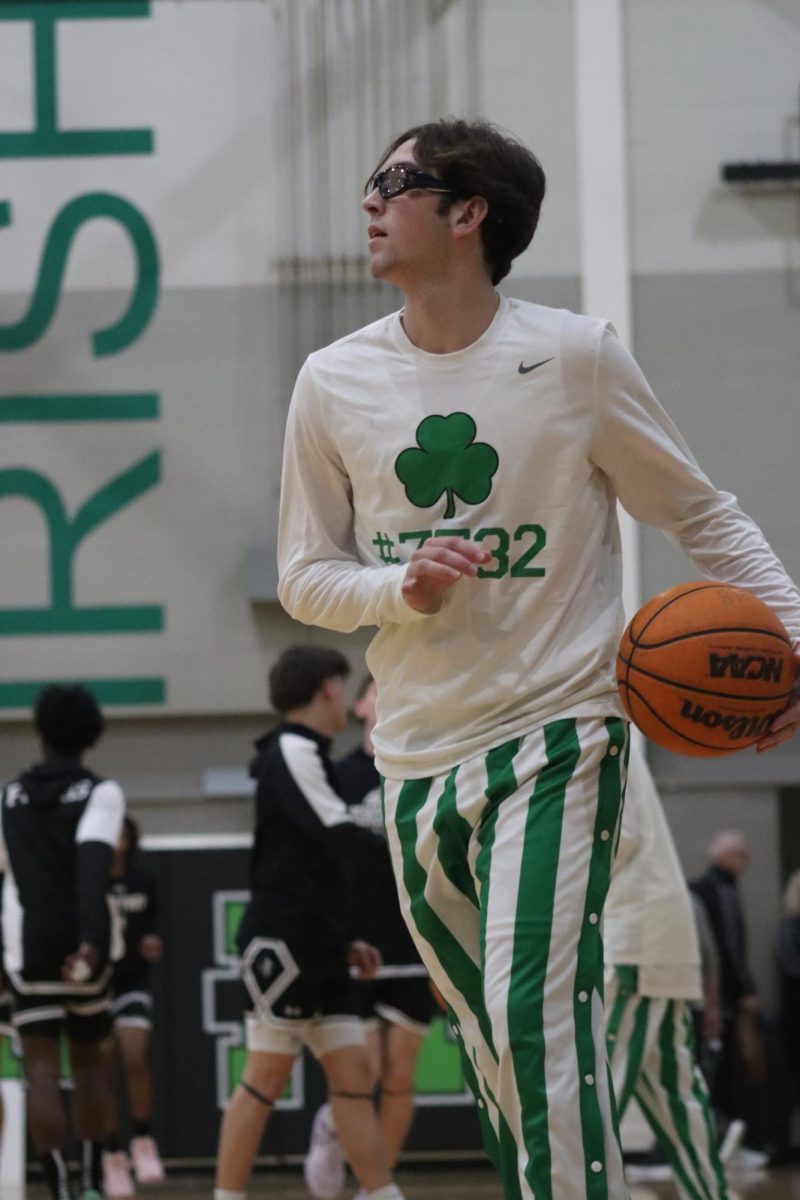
373	202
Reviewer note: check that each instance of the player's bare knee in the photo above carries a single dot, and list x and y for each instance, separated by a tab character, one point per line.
349	1071
267	1078
397	1078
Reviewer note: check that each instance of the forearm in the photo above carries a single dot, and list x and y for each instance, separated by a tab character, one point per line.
94	861
726	545
343	595
658	481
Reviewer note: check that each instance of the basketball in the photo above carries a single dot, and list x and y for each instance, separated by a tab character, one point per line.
704	668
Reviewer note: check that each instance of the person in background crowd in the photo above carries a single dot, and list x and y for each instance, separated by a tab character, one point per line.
60	823
397	1004
788	959
296	935
133	898
737	1091
708	1009
6	1028
652	977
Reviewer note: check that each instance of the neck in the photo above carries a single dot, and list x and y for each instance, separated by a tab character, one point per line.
441	318
313	716
54	759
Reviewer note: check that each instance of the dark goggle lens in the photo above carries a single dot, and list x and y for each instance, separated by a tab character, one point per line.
400	177
391	182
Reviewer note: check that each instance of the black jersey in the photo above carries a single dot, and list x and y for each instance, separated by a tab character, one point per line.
134	904
372	877
304	841
59	824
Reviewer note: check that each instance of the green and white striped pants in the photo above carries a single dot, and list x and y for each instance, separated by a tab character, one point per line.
503	866
652	1056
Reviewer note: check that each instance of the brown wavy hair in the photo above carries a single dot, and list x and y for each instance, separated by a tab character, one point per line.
476	158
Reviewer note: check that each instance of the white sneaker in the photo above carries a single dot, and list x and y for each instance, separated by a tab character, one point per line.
324	1169
390	1192
748	1160
147	1164
732	1140
117	1182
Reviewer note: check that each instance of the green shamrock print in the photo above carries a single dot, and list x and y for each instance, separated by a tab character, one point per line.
448	462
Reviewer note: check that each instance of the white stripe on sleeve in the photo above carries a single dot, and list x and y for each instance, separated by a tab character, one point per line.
102	817
305	766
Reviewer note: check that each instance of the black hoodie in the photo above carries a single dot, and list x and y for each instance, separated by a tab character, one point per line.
304	840
59	823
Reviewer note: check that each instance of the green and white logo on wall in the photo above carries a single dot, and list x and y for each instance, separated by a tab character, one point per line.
439	1078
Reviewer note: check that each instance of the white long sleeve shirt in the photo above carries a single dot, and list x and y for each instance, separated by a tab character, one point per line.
648	919
522	441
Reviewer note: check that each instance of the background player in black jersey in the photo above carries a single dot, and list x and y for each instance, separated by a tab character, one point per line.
6	1028
396	1005
60	822
296	936
134	899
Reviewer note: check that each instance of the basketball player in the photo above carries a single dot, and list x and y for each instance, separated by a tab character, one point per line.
295	936
6	1028
133	897
397	1005
60	822
450	476
652	977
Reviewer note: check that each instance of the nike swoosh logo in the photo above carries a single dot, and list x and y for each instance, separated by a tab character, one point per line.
523	370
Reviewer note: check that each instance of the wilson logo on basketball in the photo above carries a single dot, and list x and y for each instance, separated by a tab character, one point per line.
751	666
736	727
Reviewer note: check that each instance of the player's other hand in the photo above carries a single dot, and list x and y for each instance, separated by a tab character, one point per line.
80	966
712	1022
364	959
151	947
787	724
435	567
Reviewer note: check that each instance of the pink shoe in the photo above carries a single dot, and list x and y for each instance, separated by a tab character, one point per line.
117	1182
147	1164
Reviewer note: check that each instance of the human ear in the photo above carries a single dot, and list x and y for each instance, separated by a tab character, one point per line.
468	215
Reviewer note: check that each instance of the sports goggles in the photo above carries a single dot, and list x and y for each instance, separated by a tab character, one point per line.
399	178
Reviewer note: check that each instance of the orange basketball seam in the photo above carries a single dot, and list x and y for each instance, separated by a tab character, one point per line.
767	698
695	587
684	737
696	633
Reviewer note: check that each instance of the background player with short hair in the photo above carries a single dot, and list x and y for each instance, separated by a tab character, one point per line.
6	1027
396	1004
60	822
297	933
134	899
451	475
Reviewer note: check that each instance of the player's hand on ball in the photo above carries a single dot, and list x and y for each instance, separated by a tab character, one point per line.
787	724
80	966
435	567
364	959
